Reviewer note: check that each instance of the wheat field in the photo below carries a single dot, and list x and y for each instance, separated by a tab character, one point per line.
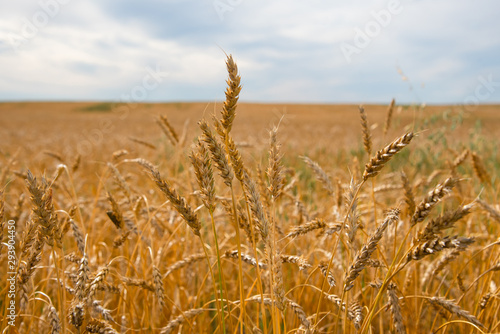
247	218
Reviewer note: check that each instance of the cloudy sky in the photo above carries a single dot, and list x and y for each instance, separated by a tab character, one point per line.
417	51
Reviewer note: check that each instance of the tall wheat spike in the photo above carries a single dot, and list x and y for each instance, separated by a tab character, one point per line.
367	137
232	94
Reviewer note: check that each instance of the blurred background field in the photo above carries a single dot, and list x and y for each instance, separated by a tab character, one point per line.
96	130
86	151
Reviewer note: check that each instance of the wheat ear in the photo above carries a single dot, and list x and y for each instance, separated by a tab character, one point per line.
432	198
422	249
100	327
143	142
204	175
177	201
495	214
409	197
388	118
461	158
218	153
2	222
479	169
397	317
185	316
275	169
450	306
383	156
367	138
323	266
361	260
55	323
320	175
184	263
168	129
232	94
445	221
158	285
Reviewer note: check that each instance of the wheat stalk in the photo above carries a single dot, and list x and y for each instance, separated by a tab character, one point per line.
77	314
435	269
2	221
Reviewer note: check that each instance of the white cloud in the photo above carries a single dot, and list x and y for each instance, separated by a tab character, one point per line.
286	50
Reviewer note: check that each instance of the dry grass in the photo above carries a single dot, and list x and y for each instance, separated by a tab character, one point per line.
139	235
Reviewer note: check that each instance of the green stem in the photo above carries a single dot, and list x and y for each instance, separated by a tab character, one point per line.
219	313
240	264
222	285
390	274
334	250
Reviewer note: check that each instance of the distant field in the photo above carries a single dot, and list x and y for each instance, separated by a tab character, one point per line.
320	225
98	129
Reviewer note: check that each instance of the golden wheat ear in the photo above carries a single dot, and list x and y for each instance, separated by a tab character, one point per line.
395	308
217	152
453	308
383	156
388	118
367	138
232	94
432	198
361	260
